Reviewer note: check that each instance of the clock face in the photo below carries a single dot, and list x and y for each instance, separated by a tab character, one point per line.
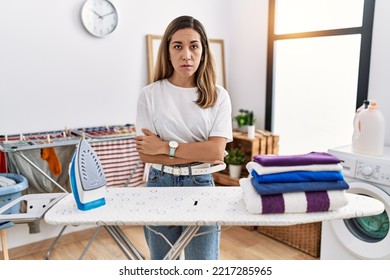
99	17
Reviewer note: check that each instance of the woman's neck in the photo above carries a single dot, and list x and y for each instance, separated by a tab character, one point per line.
185	82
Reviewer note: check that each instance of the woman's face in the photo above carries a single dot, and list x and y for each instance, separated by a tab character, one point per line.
185	52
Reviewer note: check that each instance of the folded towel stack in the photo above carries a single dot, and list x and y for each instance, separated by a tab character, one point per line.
303	183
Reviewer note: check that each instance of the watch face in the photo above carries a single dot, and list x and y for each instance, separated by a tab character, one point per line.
99	17
173	144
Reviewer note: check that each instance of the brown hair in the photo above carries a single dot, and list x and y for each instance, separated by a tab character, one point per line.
205	76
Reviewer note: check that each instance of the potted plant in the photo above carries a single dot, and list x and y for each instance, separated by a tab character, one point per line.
244	118
235	159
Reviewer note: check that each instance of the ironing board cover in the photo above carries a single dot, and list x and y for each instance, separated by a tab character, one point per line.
192	206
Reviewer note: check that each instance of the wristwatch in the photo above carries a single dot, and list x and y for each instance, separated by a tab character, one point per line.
172	148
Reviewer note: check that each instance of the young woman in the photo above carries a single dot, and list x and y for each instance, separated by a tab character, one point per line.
183	124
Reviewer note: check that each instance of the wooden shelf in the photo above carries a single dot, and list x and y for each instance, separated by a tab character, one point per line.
264	143
223	179
249	146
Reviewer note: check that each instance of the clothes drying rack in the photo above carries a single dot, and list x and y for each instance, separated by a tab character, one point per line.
99	137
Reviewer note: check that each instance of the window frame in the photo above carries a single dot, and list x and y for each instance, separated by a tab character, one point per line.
364	61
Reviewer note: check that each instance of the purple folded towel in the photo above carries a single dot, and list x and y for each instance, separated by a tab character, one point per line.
292	160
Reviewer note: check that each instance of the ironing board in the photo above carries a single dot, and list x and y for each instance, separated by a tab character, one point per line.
188	206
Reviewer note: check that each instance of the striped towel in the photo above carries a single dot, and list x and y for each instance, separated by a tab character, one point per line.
121	162
298	202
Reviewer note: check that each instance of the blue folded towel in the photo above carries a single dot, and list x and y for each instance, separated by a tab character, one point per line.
298	176
277	188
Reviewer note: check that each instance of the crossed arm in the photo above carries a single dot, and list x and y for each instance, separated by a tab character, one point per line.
153	150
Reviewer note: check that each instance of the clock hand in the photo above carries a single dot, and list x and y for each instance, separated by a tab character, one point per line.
99	16
107	14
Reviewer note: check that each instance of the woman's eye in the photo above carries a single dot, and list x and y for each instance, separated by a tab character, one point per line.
177	47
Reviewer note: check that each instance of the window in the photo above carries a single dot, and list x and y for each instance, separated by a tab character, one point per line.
317	71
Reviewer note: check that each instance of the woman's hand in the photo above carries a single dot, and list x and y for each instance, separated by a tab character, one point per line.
151	144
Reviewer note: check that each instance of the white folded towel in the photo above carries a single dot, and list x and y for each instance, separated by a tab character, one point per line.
294	202
261	170
4	181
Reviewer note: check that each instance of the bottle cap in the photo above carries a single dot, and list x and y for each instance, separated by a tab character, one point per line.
373	105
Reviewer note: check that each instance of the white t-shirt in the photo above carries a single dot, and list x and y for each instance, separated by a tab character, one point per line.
171	113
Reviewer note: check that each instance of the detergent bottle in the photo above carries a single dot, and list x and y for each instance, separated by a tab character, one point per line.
369	131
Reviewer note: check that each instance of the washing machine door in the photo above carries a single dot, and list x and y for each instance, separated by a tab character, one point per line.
366	237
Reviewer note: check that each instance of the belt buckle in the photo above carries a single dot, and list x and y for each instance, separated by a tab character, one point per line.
176	168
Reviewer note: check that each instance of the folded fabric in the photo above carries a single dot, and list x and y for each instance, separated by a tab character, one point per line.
279	169
287	187
298	202
298	176
4	181
291	160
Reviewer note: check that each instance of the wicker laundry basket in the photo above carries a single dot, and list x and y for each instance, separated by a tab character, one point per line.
305	237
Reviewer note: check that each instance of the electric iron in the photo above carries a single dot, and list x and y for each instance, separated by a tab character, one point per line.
87	178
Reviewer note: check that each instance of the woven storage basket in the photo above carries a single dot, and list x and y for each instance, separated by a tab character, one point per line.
305	237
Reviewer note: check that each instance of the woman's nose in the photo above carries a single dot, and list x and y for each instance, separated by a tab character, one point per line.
186	54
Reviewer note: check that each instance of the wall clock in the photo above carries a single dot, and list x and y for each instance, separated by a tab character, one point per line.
99	17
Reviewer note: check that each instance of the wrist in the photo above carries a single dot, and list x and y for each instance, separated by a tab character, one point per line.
173	145
166	148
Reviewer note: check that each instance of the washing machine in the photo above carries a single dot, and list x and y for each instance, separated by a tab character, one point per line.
366	238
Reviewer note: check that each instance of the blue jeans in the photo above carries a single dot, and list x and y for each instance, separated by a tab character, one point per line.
202	247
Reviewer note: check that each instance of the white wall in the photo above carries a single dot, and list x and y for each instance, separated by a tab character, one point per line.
248	57
53	74
379	85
